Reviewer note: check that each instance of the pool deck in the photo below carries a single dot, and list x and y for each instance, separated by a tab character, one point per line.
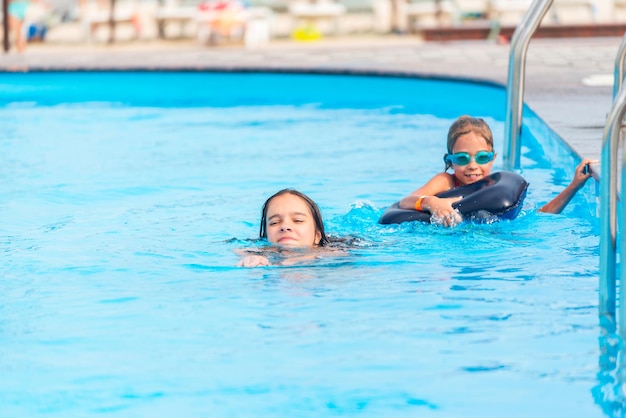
568	81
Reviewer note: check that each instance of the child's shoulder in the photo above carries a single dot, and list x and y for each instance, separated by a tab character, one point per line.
445	180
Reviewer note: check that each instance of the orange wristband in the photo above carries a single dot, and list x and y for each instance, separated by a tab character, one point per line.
418	203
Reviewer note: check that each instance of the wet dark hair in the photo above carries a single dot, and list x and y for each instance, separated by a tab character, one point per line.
464	125
315	211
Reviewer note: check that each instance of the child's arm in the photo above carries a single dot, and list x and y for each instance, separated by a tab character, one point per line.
291	258
557	204
253	261
440	183
424	199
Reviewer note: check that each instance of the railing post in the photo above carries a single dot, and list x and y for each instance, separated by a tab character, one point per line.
515	86
5	25
618	77
608	205
112	22
608	218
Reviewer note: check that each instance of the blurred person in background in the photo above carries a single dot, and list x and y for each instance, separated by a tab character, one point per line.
17	15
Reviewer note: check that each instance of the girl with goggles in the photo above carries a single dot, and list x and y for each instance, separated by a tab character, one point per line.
470	156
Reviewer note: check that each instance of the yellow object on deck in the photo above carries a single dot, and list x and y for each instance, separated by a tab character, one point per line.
306	33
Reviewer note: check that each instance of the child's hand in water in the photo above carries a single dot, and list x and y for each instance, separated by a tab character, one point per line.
442	212
450	220
253	261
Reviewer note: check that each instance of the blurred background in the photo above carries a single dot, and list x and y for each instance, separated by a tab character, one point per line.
252	23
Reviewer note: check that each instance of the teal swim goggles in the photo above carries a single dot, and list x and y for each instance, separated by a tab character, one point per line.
463	158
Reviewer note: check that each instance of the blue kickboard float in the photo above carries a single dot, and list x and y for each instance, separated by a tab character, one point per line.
499	195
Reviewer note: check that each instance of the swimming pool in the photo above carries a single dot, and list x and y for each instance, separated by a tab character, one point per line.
125	194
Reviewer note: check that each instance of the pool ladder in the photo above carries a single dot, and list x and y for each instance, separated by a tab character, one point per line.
610	204
515	82
612	139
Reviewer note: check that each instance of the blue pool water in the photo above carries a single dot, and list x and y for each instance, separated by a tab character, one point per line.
123	199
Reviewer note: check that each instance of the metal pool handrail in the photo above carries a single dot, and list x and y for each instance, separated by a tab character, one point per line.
608	213
618	75
608	204
608	184
515	84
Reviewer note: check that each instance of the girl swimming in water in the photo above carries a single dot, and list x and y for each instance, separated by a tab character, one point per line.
291	221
